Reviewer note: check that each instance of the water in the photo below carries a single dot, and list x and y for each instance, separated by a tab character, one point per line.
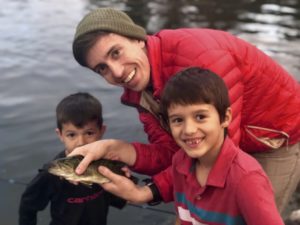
38	70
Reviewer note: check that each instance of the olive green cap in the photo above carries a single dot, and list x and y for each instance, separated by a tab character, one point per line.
110	20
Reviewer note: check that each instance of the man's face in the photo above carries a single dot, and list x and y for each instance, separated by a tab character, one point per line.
120	61
72	136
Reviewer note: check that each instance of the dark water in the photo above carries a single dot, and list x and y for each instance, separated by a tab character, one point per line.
38	70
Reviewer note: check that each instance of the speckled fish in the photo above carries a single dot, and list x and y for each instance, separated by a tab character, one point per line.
65	167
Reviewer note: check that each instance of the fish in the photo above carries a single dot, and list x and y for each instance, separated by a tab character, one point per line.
65	168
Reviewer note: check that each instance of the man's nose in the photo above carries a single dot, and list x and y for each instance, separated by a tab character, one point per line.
117	70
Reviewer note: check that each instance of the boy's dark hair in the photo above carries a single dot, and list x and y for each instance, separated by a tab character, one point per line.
192	86
79	109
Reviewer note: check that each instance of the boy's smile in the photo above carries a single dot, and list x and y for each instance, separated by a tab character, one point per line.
120	61
197	129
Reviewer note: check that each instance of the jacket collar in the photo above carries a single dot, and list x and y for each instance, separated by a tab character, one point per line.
154	52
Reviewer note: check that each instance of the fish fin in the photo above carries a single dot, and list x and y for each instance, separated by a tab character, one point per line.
86	183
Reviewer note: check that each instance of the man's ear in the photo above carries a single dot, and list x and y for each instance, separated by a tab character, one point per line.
227	118
142	43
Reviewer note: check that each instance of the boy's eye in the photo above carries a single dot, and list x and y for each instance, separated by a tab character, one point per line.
176	120
200	117
71	135
90	133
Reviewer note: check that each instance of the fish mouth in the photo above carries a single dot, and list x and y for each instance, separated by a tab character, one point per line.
54	168
130	76
49	166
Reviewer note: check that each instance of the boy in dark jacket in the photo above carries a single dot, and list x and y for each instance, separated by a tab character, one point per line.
79	122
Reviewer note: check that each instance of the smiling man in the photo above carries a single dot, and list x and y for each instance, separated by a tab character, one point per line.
265	99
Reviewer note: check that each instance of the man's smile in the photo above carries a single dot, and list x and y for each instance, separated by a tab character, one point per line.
130	76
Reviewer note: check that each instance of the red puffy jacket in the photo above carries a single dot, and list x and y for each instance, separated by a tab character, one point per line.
265	99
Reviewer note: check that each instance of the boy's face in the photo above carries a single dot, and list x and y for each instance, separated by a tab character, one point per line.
72	136
197	129
120	61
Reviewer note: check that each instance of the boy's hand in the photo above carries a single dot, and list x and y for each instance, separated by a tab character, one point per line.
124	187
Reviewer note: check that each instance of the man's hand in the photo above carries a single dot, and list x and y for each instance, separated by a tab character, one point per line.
109	149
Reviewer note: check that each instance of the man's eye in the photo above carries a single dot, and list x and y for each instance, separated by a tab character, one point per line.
115	54
102	69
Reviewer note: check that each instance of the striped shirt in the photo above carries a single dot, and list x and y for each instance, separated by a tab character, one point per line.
237	191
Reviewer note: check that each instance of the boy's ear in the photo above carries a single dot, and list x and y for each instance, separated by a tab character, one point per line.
102	130
57	131
228	117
